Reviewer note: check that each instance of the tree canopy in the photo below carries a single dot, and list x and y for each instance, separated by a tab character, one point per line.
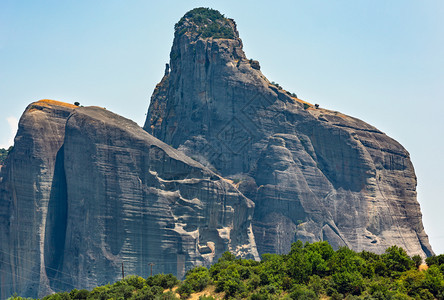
308	271
206	23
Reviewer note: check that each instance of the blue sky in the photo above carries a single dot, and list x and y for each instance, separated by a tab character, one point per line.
380	61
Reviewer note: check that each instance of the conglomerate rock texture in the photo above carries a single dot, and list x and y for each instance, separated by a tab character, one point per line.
313	174
85	190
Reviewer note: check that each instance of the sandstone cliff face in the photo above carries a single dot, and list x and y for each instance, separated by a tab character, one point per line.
313	174
104	192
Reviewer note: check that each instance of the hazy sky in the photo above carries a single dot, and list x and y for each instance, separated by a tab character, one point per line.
380	61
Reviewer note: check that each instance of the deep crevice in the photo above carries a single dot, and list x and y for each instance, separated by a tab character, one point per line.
56	220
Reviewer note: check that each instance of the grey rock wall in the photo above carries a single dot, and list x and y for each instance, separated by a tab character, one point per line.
27	185
104	192
313	174
85	190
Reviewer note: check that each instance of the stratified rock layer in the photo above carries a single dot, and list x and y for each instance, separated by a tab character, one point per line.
314	174
103	192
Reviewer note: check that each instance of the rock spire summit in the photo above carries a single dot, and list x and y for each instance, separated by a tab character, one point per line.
206	23
313	174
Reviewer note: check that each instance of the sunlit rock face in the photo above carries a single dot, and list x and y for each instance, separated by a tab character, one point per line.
27	185
313	174
86	190
227	162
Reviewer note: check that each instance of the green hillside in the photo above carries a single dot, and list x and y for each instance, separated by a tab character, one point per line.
309	271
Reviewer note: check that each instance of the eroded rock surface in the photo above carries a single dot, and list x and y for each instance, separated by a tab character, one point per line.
113	194
314	174
26	188
85	190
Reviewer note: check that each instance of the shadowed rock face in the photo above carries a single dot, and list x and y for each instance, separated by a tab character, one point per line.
313	174
85	190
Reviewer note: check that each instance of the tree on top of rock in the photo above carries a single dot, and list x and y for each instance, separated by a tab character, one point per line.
206	23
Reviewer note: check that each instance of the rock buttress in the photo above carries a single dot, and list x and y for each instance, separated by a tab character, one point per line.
135	200
27	187
85	190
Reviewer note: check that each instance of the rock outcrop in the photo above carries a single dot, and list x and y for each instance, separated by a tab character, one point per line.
26	187
85	190
313	174
226	161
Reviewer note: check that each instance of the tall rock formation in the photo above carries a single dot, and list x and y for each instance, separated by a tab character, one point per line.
313	174
85	190
27	184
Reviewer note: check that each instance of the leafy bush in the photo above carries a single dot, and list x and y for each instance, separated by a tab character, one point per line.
206	22
80	295
233	287
348	282
417	260
317	285
167	281
4	153
302	292
135	281
184	290
198	278
58	296
397	260
435	260
346	260
145	293
434	281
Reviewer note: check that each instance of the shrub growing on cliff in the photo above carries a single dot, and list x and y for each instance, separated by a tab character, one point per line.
4	153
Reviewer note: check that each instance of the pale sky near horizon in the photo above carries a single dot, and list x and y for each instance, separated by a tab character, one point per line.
379	61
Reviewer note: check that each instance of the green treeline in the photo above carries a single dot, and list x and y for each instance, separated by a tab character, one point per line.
309	271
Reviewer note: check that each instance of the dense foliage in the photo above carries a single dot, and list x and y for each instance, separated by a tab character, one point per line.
132	287
308	271
4	154
206	22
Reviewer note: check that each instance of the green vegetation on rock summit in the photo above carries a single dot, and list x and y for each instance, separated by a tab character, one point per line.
206	23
